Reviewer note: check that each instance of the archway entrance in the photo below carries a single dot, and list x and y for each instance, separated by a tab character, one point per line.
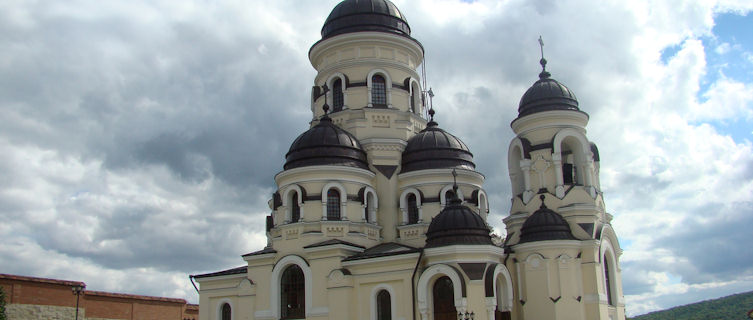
444	300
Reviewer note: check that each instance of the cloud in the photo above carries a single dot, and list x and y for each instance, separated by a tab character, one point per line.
140	139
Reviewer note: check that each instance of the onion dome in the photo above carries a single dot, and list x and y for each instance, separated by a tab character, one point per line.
325	144
434	148
545	224
457	224
365	15
546	94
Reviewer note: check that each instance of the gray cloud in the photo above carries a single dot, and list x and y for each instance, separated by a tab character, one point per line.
142	138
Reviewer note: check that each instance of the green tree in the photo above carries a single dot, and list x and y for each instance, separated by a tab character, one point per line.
2	304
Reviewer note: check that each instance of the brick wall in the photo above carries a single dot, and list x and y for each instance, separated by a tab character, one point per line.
40	298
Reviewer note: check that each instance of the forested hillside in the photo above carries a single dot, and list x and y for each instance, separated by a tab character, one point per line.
734	307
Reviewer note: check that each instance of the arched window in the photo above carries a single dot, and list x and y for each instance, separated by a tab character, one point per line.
384	306
503	290
226	312
378	91
449	195
333	204
292	293
517	178
415	98
412	209
369	207
607	282
569	170
337	95
413	102
443	299
295	208
572	152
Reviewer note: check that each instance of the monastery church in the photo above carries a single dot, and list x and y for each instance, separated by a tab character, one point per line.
380	214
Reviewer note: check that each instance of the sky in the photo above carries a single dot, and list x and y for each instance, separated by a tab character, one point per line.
139	139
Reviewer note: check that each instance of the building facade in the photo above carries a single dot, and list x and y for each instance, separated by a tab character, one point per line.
380	214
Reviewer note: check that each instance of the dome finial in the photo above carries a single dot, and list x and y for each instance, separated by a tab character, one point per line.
542	197
431	109
544	74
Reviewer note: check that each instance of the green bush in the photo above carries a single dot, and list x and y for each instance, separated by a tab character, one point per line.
2	304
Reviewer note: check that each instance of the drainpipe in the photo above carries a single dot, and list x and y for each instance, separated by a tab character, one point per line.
194	285
413	281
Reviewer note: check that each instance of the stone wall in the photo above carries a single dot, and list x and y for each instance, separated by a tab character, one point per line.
34	311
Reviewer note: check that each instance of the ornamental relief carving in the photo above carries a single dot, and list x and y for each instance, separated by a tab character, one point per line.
384	147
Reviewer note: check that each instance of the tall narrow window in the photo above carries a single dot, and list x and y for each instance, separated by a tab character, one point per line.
567	173
413	101
378	91
295	209
607	281
369	206
412	209
226	312
292	294
384	306
333	204
444	300
337	95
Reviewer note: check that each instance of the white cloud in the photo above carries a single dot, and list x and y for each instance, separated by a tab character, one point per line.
139	144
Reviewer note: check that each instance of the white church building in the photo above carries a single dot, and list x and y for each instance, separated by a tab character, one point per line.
380	214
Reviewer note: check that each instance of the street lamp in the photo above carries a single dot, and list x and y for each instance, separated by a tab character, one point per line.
466	316
78	290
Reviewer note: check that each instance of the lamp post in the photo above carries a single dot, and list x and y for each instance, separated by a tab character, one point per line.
466	316
78	290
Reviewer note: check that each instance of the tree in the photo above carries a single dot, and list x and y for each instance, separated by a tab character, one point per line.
2	304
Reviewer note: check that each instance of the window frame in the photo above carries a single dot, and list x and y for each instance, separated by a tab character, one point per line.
299	289
338	95
378	91
334	204
412	204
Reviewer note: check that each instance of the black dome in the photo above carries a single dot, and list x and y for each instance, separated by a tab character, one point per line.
434	148
325	144
545	224
547	94
457	224
365	15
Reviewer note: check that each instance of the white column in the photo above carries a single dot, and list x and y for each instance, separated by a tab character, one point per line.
344	209
525	166
589	183
559	189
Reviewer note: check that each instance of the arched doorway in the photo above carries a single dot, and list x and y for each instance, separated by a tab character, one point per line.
293	293
444	300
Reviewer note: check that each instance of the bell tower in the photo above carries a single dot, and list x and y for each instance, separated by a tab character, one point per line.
366	63
565	254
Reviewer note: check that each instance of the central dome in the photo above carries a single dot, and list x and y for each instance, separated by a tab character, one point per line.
365	15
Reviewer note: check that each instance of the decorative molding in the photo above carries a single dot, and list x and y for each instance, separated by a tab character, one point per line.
325	168
456	249
441	172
